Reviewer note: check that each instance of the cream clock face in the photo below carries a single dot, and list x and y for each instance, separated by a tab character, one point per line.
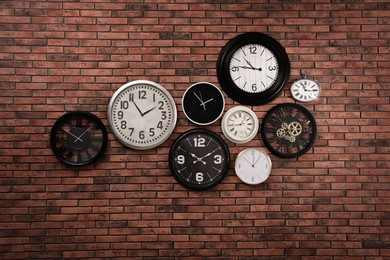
253	166
240	124
142	114
305	90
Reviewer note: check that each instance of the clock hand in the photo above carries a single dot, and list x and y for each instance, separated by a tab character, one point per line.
251	68
248	161
210	153
256	161
211	99
79	138
249	63
201	100
72	134
139	110
144	113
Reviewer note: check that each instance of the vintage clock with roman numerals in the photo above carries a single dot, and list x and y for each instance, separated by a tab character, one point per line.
142	114
199	159
288	130
253	68
305	90
78	138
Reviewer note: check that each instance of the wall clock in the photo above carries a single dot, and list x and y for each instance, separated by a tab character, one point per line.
253	68
305	90
199	159
240	124
142	114
253	166
203	103
78	138
288	130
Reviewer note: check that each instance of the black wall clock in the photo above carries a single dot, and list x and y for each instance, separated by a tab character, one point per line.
203	103
253	68
288	130
78	138
199	159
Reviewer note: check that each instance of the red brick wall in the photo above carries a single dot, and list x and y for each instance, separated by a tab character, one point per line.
59	56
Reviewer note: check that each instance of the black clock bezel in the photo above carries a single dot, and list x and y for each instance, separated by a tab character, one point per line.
268	143
186	106
227	82
84	115
172	158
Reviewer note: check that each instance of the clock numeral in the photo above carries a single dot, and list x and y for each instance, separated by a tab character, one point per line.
235	69
161	105
199	142
272	68
181	159
131	130
199	176
142	94
120	114
123	124
163	115
160	125
217	159
253	50
254	87
151	132
131	97
141	135
124	104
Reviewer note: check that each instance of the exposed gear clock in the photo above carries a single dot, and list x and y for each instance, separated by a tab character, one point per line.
288	130
253	68
203	103
142	114
78	138
240	124
199	159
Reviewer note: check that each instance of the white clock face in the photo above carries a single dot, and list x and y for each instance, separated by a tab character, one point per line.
253	166
240	124
253	68
142	114
305	90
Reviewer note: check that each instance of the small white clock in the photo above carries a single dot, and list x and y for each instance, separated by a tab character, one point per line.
305	90
240	124
253	166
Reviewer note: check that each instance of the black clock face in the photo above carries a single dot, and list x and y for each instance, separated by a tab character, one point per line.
78	138
203	103
199	159
288	130
253	68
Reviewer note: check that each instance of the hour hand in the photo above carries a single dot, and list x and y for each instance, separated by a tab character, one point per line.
249	64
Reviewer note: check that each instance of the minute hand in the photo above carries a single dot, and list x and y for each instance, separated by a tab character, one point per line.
210	153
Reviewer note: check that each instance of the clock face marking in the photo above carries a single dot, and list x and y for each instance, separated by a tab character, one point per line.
199	159
253	166
142	114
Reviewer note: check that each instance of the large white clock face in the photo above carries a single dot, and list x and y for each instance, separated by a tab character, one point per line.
253	68
305	90
253	166
240	124
142	114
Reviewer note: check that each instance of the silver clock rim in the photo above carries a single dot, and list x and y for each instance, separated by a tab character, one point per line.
305	101
139	82
268	159
226	132
193	121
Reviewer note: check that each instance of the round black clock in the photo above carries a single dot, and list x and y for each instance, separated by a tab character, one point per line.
203	103
288	130
199	159
253	68
78	138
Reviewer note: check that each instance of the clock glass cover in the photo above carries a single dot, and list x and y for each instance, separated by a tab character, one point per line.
78	138
253	166
288	130
142	114
203	103
253	68
199	159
